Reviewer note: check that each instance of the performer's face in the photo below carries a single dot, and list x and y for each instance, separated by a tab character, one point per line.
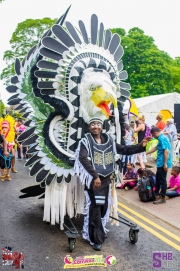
95	127
4	130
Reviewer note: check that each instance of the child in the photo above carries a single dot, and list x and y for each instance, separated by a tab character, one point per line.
145	173
140	175
173	186
130	178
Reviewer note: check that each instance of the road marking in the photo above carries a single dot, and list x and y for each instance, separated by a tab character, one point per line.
150	222
158	235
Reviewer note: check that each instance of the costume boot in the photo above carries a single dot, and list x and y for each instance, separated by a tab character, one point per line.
2	178
8	177
13	170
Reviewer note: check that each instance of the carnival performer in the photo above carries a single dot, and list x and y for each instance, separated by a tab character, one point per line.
3	153
7	128
96	156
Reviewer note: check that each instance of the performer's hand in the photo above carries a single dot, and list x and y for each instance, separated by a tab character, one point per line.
145	141
148	138
5	153
97	183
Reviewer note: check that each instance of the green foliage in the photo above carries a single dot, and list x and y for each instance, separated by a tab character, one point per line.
119	31
176	74
54	160
15	114
151	71
26	35
2	108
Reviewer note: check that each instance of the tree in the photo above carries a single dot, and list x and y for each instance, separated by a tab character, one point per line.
2	108
26	35
176	74
150	70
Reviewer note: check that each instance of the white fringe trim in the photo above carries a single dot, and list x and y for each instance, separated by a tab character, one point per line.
85	231
62	199
114	205
81	172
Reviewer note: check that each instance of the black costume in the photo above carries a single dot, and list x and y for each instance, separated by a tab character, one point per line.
2	164
97	211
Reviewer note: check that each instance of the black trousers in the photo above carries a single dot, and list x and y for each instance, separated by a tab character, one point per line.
96	212
2	164
161	181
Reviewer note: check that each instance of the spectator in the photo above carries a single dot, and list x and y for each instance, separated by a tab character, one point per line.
160	124
173	186
140	129
170	130
140	175
129	137
163	162
145	173
130	178
19	130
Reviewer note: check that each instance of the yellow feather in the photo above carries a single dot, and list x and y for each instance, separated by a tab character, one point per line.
11	135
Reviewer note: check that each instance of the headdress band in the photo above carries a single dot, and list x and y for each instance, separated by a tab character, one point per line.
95	119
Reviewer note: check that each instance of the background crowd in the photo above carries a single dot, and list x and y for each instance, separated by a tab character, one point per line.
151	186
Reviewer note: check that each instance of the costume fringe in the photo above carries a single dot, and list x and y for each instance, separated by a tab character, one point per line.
81	172
62	199
85	231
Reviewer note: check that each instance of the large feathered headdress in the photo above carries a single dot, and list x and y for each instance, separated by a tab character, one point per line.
68	79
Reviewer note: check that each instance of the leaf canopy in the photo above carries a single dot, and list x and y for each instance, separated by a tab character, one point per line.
26	35
150	70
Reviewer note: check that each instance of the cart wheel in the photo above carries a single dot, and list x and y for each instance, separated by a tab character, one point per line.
72	242
133	236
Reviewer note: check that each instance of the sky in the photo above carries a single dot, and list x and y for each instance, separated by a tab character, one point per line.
158	18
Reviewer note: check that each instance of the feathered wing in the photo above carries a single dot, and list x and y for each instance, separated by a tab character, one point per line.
55	79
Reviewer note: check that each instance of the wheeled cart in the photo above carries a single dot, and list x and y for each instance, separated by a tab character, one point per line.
72	233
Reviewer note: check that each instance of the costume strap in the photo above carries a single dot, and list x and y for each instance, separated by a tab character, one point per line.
7	160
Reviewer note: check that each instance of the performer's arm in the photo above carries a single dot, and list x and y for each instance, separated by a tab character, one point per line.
132	149
83	158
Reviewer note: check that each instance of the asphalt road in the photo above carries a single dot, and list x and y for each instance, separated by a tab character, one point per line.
45	246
